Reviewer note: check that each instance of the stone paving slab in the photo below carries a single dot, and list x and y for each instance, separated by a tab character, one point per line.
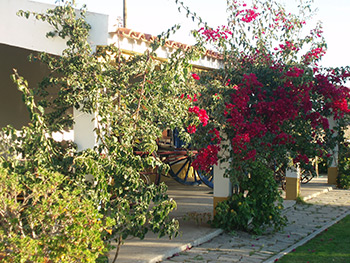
303	221
199	200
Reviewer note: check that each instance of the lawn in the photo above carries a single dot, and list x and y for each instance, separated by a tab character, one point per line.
332	245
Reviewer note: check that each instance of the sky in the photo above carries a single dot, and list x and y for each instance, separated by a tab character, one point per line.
156	16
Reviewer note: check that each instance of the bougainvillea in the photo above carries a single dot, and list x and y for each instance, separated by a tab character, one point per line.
206	158
214	35
271	102
276	101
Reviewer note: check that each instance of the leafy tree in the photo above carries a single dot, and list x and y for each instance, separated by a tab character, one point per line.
133	99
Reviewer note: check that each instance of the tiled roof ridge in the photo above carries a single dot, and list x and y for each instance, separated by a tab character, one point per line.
129	33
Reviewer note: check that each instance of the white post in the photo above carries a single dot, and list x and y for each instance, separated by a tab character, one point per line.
292	183
333	167
222	185
84	125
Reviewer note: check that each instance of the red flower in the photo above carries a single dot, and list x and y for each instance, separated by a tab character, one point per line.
195	76
203	117
201	113
206	157
191	129
216	135
194	109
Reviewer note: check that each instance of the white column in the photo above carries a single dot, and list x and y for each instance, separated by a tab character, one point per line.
84	125
292	183
222	185
333	125
333	167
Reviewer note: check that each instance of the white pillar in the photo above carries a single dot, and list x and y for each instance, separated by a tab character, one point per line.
292	183
222	185
84	125
333	167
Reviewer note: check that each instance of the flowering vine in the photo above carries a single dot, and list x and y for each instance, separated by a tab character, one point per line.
273	101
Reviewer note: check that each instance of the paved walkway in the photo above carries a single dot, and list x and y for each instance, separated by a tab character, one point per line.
305	222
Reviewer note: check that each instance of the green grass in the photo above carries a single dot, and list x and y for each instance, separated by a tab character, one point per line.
332	245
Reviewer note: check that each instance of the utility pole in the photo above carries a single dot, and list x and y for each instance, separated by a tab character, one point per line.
125	14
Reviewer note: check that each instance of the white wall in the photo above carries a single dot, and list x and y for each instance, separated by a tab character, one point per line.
31	33
18	38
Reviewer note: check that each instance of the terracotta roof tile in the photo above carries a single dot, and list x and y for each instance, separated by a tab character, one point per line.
128	33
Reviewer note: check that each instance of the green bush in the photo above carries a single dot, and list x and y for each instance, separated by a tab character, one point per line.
43	218
257	206
343	180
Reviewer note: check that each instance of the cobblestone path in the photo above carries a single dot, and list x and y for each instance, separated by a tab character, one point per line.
303	220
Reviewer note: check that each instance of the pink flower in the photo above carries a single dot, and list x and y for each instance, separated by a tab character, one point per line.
246	137
301	157
325	123
214	35
195	76
182	96
294	72
250	15
250	155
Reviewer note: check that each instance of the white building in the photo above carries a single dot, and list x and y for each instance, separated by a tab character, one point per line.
19	37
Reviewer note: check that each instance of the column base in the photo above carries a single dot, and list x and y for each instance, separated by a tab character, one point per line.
217	200
292	188
332	175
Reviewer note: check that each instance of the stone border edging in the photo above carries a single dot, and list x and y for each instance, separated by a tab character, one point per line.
318	193
182	248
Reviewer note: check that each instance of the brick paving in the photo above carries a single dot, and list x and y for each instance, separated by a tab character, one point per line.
303	220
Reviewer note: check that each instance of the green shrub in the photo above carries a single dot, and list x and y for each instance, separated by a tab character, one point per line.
343	180
42	219
256	207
